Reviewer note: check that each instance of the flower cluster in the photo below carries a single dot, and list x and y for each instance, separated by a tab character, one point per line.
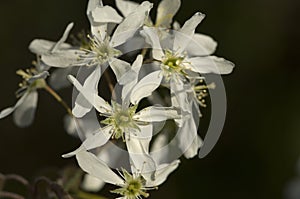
158	68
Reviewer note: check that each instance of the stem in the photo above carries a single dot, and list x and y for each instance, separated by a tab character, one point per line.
149	61
56	188
59	99
110	85
10	195
64	104
17	178
144	52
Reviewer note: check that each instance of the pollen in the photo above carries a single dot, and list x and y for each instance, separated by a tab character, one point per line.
121	120
173	64
201	92
98	51
134	186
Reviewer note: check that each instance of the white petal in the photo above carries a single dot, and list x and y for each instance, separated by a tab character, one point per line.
106	14
82	105
93	4
156	114
25	112
119	67
97	168
163	171
98	139
7	111
185	34
100	104
91	183
99	30
113	156
166	11
126	7
137	42
160	141
70	125
193	149
152	38
131	76
138	149
201	45
146	86
211	64
179	95
63	38
190	25
82	127
187	134
159	149
64	58
58	78
41	75
41	46
136	66
131	24
127	79
176	25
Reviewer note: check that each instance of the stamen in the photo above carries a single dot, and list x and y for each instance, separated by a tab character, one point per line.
173	63
121	120
201	92
98	51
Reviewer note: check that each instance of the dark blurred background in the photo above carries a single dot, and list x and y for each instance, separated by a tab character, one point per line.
257	153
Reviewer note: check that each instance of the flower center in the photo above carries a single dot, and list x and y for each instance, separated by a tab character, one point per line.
173	64
133	186
121	120
30	81
102	49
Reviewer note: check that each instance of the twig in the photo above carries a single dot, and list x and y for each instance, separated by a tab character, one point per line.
59	99
10	195
64	104
144	52
149	61
110	85
56	188
17	178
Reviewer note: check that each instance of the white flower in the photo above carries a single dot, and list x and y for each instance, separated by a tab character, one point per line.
24	109
102	48
58	78
165	11
132	186
122	121
174	59
113	157
174	55
164	16
182	62
42	46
